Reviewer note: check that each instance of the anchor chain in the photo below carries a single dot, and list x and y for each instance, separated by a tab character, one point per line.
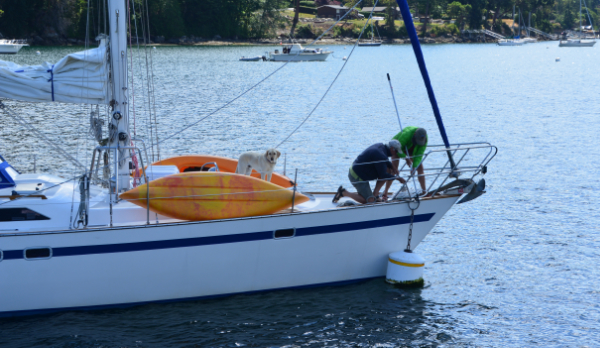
412	220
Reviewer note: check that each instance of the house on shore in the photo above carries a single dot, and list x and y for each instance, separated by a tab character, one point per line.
379	11
331	11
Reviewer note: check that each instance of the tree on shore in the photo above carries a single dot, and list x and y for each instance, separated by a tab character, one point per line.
459	12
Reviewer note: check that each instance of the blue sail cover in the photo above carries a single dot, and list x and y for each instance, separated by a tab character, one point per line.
7	173
414	40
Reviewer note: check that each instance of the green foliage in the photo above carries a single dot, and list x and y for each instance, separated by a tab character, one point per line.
441	30
459	12
308	10
475	17
568	20
390	24
308	31
437	12
310	4
247	19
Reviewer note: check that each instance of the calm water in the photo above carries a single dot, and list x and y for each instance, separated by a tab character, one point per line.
517	267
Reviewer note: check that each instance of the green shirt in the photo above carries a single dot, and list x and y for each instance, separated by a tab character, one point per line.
405	138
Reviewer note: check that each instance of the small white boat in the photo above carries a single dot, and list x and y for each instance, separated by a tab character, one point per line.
576	43
511	42
296	52
250	59
11	46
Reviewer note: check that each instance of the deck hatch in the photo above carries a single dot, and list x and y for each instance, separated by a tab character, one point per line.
37	253
285	233
20	214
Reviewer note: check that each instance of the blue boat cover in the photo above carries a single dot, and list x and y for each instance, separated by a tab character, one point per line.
6	179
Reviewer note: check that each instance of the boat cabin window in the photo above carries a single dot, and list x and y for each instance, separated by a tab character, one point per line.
20	214
285	233
38	253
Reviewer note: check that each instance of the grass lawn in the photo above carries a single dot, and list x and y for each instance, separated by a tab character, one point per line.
301	15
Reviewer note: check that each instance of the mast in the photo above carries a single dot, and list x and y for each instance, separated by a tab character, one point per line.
414	40
513	24
580	28
118	62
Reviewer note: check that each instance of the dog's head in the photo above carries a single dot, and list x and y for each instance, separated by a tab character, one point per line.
272	155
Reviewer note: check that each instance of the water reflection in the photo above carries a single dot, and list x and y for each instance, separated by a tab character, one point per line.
371	313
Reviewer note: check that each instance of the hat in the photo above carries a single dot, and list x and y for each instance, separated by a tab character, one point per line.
420	137
395	144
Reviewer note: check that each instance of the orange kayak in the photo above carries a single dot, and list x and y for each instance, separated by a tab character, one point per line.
228	165
200	196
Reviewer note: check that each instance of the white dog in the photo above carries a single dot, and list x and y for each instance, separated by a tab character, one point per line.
262	162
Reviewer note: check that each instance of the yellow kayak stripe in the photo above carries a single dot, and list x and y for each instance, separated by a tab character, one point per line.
407	264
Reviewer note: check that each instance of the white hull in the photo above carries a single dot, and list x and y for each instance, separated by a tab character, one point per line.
511	42
576	43
132	265
10	48
291	57
370	44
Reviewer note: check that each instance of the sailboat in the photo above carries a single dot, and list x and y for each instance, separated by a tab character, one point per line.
516	40
372	42
116	249
528	39
579	42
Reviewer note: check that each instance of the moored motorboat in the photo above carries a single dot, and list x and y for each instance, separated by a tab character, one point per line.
295	52
12	46
576	43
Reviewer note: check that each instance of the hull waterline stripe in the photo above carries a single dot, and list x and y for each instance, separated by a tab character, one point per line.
225	239
196	298
406	264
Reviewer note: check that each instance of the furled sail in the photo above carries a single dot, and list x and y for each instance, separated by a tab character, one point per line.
80	77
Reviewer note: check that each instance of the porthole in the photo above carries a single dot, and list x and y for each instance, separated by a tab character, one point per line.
37	253
284	233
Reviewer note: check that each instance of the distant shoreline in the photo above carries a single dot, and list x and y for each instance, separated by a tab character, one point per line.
272	42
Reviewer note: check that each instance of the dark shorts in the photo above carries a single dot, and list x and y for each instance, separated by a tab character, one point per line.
362	187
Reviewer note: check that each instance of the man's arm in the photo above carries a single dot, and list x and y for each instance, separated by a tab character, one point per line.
421	171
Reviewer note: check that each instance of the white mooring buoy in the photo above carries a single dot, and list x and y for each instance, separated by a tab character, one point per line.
405	268
344	58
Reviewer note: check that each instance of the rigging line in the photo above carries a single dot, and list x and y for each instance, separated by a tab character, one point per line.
149	110
132	72
589	19
261	81
24	123
333	82
152	77
223	106
153	129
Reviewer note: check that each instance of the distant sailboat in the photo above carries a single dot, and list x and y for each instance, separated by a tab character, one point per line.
372	42
516	41
579	42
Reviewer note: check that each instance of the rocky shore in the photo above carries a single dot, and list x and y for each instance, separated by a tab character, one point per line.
57	40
